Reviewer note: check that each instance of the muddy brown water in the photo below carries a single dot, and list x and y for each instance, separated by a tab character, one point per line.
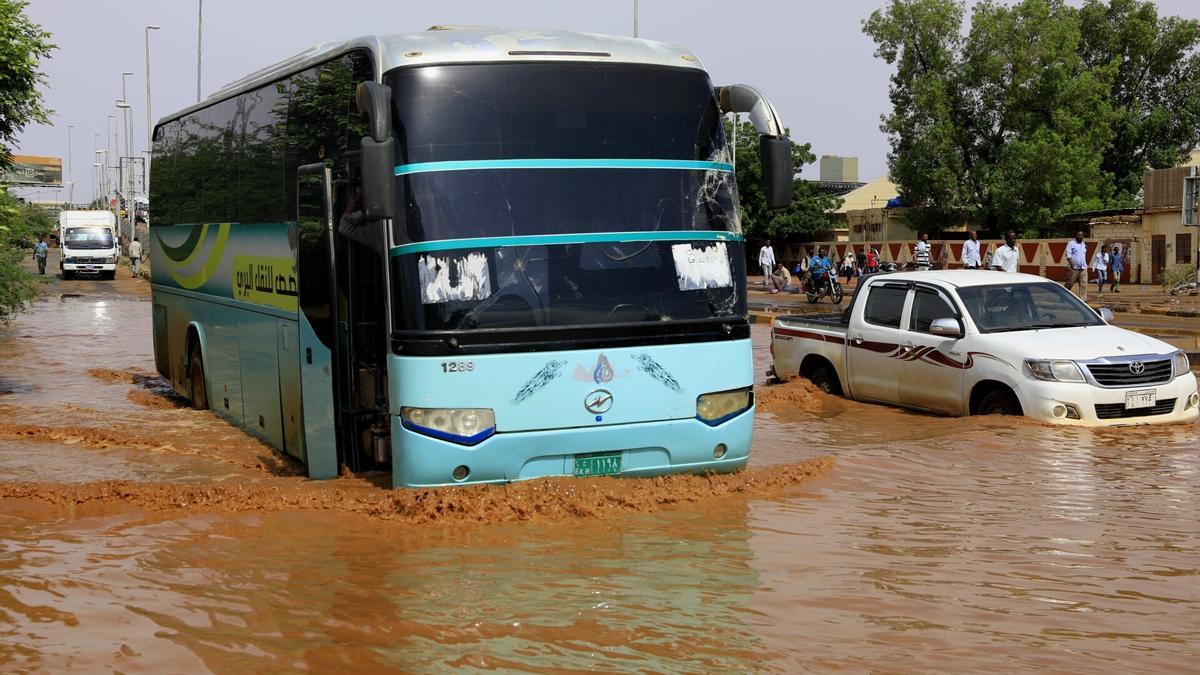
931	543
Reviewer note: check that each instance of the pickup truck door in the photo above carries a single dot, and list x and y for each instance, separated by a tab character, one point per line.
873	346
931	375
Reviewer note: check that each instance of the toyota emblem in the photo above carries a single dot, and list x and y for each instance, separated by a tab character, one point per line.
1137	367
598	402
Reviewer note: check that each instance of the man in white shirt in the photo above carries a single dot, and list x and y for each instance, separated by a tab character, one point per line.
1077	264
135	256
766	261
1007	257
970	253
921	253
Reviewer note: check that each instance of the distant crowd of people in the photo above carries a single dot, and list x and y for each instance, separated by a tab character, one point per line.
1106	265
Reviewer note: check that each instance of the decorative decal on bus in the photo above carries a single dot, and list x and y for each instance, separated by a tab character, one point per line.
654	369
181	258
266	281
540	379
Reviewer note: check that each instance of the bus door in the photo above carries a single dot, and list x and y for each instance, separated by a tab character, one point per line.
318	320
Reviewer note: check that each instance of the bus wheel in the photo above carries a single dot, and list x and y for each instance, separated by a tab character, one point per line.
199	393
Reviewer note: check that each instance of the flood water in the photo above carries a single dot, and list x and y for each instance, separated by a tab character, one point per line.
932	544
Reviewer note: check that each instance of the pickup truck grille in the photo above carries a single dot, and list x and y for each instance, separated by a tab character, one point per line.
1111	411
1121	375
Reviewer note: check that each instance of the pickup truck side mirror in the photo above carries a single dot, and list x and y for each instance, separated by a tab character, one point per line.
1106	315
947	328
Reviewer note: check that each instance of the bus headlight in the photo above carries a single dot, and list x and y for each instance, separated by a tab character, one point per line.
716	408
1055	371
465	426
1182	365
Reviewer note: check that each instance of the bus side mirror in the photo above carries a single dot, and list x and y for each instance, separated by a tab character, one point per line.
378	151
777	171
775	147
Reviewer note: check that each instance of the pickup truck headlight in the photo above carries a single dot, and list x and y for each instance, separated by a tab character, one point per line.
1182	365
719	407
1055	371
465	426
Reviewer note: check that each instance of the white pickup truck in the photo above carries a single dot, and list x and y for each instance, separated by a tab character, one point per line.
965	342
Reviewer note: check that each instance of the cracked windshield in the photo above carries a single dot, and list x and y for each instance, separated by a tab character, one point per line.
617	339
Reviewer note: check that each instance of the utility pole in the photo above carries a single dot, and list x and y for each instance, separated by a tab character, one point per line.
635	18
149	119
70	174
199	41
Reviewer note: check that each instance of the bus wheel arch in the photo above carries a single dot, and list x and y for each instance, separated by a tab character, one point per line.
818	370
196	376
991	397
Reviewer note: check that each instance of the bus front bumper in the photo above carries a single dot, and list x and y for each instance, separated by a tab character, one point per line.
645	449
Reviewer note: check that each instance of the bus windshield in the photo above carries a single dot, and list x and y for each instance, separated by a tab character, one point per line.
88	237
587	194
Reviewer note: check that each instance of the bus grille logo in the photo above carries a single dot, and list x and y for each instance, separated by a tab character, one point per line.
598	402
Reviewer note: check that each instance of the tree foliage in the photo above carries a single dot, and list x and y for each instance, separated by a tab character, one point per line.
20	226
23	45
1034	109
811	210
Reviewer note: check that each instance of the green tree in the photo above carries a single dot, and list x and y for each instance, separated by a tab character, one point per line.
23	45
1151	69
1034	109
811	210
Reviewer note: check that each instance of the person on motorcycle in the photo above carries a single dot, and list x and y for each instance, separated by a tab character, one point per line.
819	267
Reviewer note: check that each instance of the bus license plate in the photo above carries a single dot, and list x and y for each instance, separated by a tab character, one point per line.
1145	398
597	464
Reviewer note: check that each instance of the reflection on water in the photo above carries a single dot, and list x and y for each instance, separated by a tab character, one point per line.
935	544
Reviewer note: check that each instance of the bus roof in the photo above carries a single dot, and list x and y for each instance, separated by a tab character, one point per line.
463	44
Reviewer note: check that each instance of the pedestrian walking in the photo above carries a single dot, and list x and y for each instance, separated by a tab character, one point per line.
40	250
1099	266
872	261
766	261
970	253
1077	264
1118	266
848	265
135	255
921	253
861	263
1007	258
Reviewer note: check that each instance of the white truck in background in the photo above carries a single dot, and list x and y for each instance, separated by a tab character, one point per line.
88	244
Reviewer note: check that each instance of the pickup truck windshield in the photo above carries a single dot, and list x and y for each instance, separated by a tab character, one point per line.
88	237
1013	307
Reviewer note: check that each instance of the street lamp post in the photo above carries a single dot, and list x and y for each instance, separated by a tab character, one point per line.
149	120
70	175
128	183
103	154
199	40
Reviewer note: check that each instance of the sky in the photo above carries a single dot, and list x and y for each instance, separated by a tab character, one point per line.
809	57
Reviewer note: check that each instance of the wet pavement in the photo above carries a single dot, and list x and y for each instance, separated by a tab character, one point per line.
138	535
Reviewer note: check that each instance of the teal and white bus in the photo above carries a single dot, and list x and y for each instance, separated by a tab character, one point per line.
466	255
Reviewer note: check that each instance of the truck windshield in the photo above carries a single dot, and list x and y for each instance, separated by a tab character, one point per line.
1031	306
554	194
88	237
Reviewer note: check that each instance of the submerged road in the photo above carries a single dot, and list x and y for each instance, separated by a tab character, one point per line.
932	544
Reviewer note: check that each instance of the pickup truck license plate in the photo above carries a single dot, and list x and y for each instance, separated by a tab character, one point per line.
1143	398
598	464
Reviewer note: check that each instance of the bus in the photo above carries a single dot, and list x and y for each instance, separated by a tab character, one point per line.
468	255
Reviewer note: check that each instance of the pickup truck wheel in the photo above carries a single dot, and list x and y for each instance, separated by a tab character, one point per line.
826	380
999	402
199	389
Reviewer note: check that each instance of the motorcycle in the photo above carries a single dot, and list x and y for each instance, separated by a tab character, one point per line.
828	285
